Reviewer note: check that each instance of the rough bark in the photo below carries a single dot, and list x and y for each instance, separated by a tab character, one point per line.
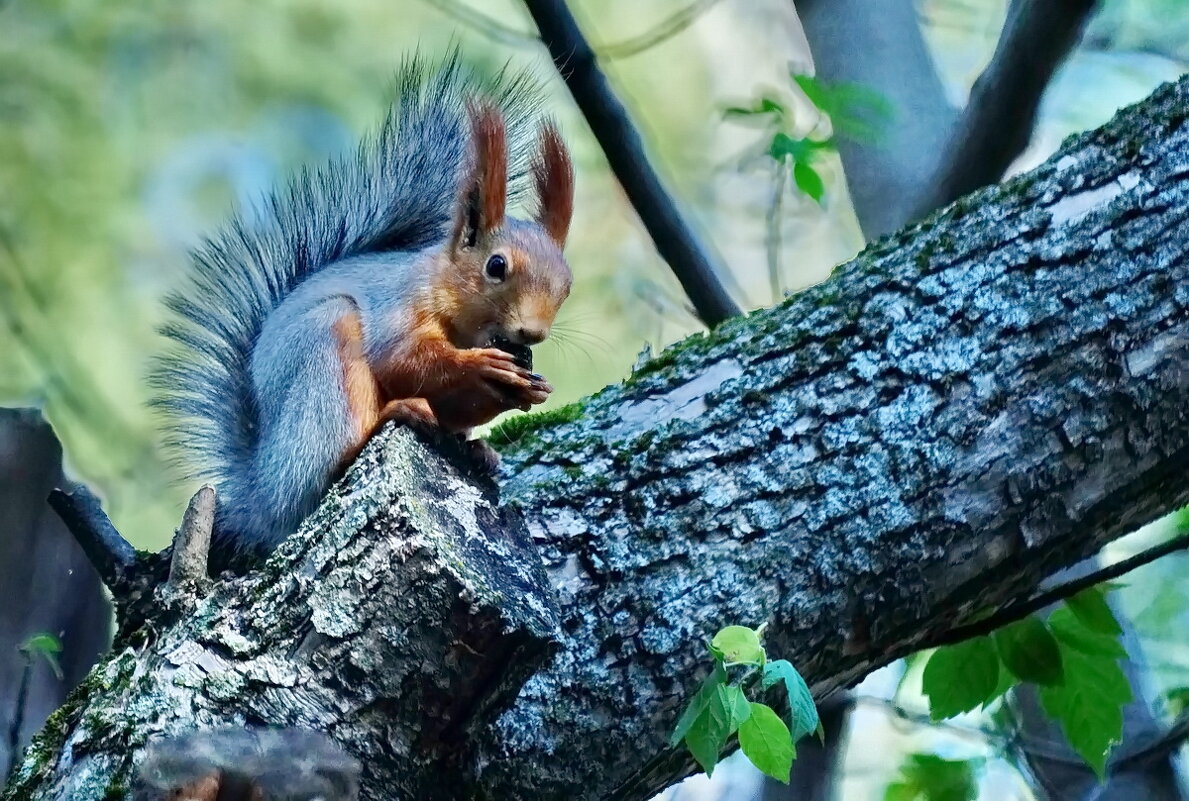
958	412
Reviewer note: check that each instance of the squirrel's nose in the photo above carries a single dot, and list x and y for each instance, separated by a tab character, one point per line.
530	335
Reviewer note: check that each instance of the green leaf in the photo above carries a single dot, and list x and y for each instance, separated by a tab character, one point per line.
1177	699
815	90
1091	608
808	181
898	791
855	111
1030	652
766	741
1070	632
960	677
726	710
739	645
801	707
928	777
47	646
1089	706
1006	682
698	703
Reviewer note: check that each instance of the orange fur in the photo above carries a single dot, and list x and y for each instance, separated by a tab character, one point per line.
359	383
553	176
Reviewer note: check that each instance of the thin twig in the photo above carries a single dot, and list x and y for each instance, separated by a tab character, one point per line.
1159	748
107	550
485	24
676	242
192	543
667	28
1015	611
775	218
497	31
18	718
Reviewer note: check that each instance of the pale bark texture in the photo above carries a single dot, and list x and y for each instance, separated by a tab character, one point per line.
961	410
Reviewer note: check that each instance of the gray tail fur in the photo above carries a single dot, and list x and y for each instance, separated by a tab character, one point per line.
396	193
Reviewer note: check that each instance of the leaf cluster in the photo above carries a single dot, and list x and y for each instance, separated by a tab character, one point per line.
854	112
1072	658
721	707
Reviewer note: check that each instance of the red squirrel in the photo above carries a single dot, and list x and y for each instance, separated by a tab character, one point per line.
390	286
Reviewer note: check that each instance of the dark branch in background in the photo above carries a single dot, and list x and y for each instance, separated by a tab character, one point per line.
1013	612
18	718
998	120
677	244
107	550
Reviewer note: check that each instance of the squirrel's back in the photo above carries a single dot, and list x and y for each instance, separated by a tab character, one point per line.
396	194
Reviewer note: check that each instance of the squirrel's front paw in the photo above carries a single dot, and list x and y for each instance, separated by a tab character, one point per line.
502	369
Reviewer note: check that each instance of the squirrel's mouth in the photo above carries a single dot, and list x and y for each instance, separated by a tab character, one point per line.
523	354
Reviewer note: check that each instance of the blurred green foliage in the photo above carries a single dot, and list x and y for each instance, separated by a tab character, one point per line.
129	130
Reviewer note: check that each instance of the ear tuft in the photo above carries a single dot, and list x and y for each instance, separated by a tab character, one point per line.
553	176
484	192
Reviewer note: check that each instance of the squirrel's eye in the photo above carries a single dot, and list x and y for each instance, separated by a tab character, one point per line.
497	268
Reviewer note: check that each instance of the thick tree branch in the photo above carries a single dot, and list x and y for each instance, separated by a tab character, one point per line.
956	414
691	260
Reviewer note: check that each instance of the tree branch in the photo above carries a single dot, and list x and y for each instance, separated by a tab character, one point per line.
1016	610
107	550
997	122
698	271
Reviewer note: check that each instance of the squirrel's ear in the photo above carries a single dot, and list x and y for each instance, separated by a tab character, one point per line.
484	191
553	175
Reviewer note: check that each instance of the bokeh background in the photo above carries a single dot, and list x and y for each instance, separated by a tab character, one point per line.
130	130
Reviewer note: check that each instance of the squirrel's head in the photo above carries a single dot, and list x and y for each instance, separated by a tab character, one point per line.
509	277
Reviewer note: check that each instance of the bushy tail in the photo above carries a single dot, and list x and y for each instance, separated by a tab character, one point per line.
396	193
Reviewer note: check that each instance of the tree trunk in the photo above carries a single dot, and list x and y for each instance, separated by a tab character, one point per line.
46	585
963	409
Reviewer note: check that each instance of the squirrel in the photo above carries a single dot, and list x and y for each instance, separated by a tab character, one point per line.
391	286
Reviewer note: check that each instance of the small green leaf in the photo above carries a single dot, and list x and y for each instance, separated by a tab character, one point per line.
47	646
1070	631
1091	608
808	181
698	703
739	645
766	741
1177	699
726	710
1030	652
816	91
801	706
1089	706
958	678
898	791
928	777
